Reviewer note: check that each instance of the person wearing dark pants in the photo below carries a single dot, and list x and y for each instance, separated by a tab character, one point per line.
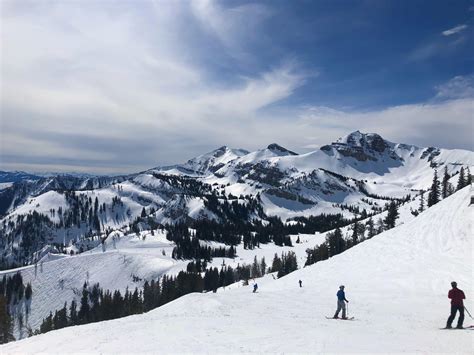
457	296
341	303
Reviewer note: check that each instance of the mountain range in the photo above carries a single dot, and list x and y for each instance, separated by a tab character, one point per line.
353	176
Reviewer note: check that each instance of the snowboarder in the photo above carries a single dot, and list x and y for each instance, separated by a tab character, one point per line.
255	287
341	299
457	296
301	283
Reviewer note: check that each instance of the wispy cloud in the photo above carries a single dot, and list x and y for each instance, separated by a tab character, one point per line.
74	74
120	87
459	87
454	30
421	124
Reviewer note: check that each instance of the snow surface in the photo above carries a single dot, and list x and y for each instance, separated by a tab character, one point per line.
397	284
5	185
60	278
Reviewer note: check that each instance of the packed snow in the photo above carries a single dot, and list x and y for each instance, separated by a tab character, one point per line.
396	282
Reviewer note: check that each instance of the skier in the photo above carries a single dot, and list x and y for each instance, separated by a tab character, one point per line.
457	296
255	287
341	299
301	283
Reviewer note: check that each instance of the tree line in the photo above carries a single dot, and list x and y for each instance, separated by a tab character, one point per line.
13	294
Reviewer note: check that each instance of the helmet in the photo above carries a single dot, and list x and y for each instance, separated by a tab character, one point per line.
342	286
454	284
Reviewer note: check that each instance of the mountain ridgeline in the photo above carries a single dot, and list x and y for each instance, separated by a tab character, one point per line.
227	195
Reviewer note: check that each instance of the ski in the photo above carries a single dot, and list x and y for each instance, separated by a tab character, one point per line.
454	328
350	318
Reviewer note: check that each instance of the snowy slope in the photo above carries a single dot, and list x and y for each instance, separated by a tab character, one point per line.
59	278
397	283
205	163
126	255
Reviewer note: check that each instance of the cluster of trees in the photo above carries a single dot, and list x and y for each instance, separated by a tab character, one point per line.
188	246
237	210
95	305
320	223
336	243
13	292
185	184
285	264
206	229
187	236
34	231
191	248
213	278
6	322
82	209
441	189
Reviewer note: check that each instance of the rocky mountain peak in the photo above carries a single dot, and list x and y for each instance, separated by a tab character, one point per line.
280	150
361	146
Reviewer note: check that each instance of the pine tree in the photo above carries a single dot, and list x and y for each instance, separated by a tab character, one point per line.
392	215
370	228
6	322
60	318
47	324
84	311
461	180
255	271
276	264
380	226
468	177
335	242
96	206
433	196
263	266
73	313
422	202
445	184
355	233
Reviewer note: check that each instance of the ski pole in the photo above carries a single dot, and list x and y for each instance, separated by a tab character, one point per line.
468	312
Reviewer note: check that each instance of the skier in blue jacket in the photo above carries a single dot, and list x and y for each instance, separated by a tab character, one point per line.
341	303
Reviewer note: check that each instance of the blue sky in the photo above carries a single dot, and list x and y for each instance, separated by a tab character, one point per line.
120	86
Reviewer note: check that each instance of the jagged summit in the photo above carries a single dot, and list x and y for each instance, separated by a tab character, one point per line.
279	149
362	146
365	140
213	160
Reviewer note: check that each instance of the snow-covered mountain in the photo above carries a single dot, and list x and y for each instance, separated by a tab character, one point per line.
396	283
354	174
16	176
206	163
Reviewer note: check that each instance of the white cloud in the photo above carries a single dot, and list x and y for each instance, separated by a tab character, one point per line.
454	30
234	27
458	87
431	124
120	87
123	73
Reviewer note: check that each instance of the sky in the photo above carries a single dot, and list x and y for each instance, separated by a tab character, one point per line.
114	87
